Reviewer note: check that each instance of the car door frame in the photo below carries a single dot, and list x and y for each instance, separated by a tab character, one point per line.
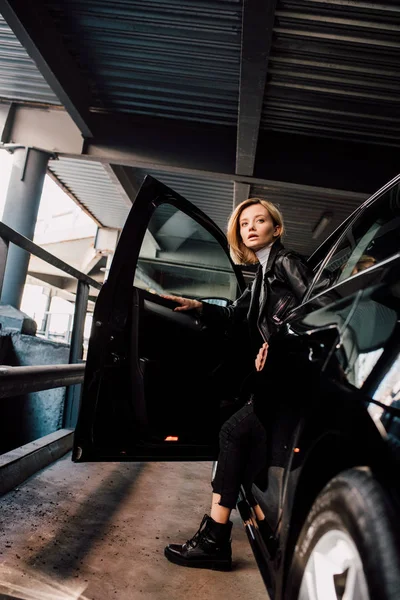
111	311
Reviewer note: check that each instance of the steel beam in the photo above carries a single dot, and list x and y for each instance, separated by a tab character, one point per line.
150	143
37	32
210	152
241	191
155	142
7	113
257	26
128	180
51	129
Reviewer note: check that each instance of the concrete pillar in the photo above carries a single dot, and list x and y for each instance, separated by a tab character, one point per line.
20	213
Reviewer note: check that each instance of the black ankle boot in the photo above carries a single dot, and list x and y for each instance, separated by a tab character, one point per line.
209	548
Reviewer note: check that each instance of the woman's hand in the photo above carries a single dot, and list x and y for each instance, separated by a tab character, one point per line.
186	303
261	357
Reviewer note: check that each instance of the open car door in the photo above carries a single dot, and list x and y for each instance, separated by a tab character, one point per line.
153	385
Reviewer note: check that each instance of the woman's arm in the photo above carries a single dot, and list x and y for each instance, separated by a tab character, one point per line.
212	315
185	303
226	317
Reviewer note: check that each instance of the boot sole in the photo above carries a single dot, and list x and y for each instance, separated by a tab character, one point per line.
223	565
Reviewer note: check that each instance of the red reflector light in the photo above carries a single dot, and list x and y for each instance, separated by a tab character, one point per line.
171	438
296	450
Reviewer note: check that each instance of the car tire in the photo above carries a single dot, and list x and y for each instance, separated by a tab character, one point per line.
349	544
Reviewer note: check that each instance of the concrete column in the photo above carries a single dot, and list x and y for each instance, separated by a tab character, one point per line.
20	213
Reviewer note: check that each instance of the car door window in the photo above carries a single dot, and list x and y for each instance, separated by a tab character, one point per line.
372	237
388	393
369	328
179	256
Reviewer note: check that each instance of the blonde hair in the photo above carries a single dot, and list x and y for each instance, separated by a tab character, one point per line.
239	252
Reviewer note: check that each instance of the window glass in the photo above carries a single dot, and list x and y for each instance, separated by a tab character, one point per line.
372	238
369	327
388	393
178	256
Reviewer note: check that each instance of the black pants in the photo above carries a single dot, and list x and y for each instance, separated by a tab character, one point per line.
242	455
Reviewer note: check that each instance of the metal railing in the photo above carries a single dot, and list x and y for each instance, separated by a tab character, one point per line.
22	380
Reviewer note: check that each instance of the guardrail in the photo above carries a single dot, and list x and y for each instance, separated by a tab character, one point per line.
17	380
23	380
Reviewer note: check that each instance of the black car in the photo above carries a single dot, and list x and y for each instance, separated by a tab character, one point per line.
157	384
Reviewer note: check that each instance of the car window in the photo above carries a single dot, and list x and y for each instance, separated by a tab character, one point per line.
179	256
388	393
373	237
370	326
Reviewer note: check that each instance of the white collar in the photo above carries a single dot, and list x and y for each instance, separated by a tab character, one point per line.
263	255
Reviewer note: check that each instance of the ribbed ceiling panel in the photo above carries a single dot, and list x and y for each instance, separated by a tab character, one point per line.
213	197
20	79
334	70
91	185
167	58
303	207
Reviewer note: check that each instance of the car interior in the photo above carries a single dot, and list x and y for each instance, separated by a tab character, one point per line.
181	365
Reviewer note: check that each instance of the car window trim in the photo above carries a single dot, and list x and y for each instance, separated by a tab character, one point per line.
353	217
360	275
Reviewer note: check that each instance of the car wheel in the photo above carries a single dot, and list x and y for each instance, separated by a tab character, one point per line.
348	548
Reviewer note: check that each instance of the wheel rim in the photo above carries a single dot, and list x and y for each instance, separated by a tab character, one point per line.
334	570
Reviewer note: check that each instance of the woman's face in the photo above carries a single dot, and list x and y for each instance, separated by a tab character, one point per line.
257	228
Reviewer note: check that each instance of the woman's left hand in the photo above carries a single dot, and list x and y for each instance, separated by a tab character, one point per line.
262	357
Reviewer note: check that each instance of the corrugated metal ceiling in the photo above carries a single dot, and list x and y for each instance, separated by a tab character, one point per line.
302	207
102	196
334	70
167	58
20	78
91	185
213	197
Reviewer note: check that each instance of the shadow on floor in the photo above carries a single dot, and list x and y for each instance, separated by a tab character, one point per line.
88	525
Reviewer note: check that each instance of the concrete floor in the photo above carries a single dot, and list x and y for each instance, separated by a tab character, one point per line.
97	531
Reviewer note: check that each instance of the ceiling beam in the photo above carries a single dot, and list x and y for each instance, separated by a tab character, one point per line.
210	152
7	114
156	142
146	143
36	31
241	191
257	27
127	179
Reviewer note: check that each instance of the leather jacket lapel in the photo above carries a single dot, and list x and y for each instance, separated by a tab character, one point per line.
255	295
276	246
271	259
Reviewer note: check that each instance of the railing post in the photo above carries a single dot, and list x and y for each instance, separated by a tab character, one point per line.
3	259
72	398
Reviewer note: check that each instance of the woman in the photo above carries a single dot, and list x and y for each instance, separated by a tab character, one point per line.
254	231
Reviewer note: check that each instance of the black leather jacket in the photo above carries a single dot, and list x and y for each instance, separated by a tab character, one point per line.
286	279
